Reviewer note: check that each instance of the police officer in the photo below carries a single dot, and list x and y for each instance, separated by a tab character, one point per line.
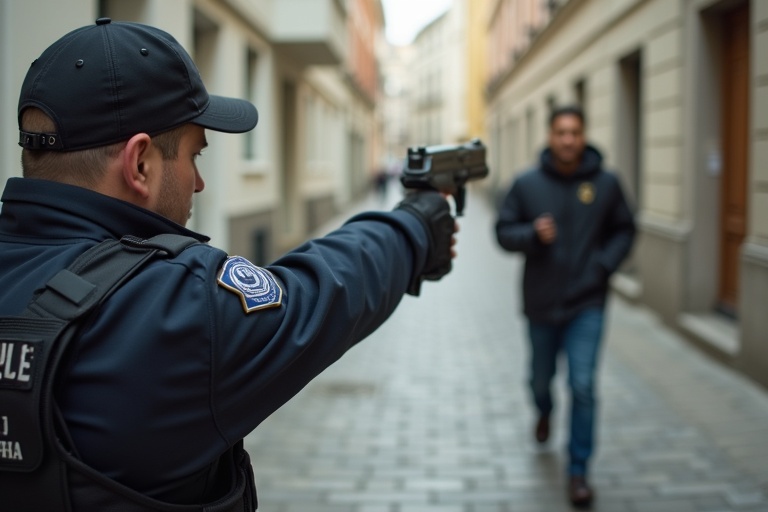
186	358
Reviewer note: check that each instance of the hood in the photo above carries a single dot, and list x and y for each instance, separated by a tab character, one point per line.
591	162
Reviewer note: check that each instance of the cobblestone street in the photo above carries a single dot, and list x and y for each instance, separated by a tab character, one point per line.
431	413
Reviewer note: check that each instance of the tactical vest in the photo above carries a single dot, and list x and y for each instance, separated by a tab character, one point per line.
39	467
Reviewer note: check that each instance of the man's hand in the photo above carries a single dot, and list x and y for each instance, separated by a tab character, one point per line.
546	229
433	210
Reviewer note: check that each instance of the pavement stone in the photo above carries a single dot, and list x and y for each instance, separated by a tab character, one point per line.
431	412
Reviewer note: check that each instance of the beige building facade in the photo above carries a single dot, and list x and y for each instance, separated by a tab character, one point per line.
676	97
438	91
394	104
433	89
303	63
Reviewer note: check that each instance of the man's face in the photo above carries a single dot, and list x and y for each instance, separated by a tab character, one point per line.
181	178
566	141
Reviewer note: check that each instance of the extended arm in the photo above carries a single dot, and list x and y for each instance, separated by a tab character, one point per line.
337	290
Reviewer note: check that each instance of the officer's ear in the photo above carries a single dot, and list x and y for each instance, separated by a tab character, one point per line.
138	165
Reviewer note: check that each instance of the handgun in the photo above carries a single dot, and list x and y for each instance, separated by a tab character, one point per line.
445	168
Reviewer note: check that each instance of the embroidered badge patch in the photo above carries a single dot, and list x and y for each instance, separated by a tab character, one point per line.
256	287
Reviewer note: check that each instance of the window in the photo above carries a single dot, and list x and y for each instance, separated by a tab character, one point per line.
579	93
251	74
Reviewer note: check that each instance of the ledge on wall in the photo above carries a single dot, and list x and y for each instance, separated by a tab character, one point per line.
629	287
711	331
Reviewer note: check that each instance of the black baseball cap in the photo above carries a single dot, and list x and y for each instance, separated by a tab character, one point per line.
104	83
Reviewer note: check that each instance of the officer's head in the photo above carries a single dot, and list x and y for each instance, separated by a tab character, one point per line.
120	108
566	137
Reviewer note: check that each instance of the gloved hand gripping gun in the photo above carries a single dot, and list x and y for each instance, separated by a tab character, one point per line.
446	169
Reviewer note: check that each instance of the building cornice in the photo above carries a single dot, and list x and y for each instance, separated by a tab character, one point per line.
559	14
538	39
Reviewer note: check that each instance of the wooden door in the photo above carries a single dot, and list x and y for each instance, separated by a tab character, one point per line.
733	204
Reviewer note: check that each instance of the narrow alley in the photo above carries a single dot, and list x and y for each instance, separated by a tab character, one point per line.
431	413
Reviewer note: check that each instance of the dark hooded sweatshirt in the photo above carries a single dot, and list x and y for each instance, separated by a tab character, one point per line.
595	230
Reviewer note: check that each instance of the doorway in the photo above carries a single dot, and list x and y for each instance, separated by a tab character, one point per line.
735	137
630	120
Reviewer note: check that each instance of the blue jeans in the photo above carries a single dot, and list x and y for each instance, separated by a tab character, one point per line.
580	337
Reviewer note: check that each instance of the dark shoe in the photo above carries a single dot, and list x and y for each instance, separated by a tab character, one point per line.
542	429
579	492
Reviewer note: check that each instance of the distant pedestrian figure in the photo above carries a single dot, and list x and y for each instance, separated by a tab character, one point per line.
570	219
381	180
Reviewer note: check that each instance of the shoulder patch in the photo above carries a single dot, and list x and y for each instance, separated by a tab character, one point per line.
256	286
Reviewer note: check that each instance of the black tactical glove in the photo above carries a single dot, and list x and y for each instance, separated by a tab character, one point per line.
435	213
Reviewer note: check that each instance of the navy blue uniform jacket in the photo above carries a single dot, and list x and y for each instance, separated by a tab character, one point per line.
595	231
171	371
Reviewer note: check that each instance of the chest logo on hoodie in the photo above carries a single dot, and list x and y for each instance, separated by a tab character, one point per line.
586	192
256	287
